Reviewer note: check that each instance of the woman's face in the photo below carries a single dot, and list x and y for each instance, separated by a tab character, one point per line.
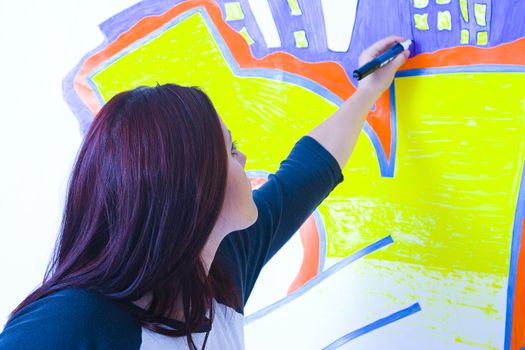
239	210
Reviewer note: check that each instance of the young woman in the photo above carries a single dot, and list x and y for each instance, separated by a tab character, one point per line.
162	238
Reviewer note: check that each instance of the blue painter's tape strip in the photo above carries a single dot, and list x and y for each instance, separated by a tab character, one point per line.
322	240
319	278
374	325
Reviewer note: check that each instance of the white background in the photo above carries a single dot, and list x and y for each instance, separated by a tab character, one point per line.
40	42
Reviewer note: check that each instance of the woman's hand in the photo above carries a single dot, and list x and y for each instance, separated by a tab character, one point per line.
376	83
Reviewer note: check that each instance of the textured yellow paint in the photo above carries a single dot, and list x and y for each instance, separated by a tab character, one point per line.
233	11
465	36
421	21
266	116
419	4
246	36
480	12
444	22
483	38
464	9
451	205
295	8
300	39
460	150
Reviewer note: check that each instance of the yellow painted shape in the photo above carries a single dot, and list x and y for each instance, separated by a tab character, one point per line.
420	4
421	21
233	11
483	38
459	158
294	7
444	22
464	9
266	116
465	35
246	36
460	153
442	2
300	39
480	12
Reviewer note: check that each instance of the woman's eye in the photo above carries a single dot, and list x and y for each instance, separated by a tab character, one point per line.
234	147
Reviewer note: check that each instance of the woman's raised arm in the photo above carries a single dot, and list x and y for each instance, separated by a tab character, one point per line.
339	133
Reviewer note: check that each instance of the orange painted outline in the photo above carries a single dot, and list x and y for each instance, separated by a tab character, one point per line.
311	246
328	74
309	234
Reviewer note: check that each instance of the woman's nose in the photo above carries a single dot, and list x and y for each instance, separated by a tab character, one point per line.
243	159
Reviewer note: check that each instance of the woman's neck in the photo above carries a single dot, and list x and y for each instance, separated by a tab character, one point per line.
177	314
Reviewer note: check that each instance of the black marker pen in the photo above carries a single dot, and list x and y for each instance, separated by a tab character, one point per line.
381	60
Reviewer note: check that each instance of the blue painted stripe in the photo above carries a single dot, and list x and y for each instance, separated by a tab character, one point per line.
520	207
482	68
393	130
378	147
319	223
514	255
374	325
319	278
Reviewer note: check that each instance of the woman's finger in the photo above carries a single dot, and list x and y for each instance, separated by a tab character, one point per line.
379	47
399	60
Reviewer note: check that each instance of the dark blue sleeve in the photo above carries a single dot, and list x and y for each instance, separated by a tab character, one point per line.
71	319
284	202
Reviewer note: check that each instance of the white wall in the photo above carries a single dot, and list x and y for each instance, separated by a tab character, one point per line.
40	42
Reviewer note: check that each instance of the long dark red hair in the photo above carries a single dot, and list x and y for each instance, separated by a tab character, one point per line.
145	192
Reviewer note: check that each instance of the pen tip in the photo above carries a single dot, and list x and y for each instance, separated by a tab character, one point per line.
406	44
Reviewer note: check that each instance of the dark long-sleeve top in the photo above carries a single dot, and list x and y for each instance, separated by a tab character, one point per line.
76	318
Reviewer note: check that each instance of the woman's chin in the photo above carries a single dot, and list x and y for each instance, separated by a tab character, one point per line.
251	217
255	214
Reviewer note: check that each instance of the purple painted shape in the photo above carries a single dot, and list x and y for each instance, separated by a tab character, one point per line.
286	23
433	39
249	22
375	19
508	22
123	21
310	21
473	27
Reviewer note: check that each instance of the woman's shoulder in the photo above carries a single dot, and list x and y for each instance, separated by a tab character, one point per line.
75	304
69	318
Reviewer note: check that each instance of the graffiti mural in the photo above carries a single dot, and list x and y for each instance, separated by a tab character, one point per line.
419	247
